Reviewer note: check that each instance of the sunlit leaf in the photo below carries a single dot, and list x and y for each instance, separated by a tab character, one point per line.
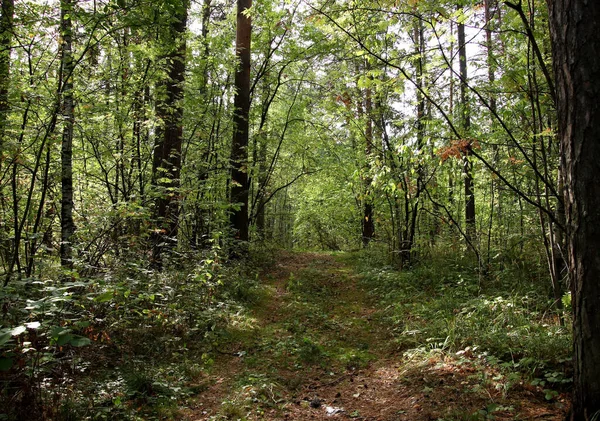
18	330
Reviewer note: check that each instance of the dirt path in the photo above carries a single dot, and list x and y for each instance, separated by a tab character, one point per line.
313	349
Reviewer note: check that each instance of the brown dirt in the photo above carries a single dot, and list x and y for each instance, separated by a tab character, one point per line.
263	382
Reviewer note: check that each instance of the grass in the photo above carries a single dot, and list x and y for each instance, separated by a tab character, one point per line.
506	319
157	338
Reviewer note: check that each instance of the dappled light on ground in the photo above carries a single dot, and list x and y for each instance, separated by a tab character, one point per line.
317	348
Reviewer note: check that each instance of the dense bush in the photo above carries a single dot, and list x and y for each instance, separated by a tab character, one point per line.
93	348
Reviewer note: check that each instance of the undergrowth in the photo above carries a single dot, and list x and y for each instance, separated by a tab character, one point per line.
128	343
505	318
132	343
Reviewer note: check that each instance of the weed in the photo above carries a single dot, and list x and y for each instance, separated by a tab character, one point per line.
440	307
233	411
310	352
355	359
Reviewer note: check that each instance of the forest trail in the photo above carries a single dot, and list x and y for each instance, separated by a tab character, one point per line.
314	348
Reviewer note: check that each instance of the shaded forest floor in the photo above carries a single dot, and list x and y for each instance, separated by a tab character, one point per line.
315	345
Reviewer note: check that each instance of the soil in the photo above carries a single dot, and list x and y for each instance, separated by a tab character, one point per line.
315	349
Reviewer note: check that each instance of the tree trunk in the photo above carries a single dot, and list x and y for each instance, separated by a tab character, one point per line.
262	181
66	213
491	64
466	124
419	40
368	225
576	50
239	147
200	233
6	35
167	153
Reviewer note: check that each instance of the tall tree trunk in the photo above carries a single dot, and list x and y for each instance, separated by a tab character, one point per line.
167	153
199	235
420	137
6	35
67	226
489	45
451	110
368	225
260	157
466	124
239	147
576	50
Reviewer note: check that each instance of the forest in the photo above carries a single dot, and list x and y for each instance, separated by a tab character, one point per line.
299	209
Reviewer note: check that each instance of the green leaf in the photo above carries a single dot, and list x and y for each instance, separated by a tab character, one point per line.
58	331
64	339
5	337
82	324
78	341
550	394
104	297
492	408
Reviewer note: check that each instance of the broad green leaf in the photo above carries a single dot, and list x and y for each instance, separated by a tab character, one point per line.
5	337
104	297
64	339
78	341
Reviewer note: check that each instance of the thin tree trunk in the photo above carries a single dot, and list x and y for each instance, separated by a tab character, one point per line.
420	134
546	224
199	228
32	247
260	156
451	111
368	225
489	41
466	124
262	181
68	112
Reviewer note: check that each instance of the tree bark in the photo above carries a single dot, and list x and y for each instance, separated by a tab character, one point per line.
368	225
239	148
412	200
466	124
576	51
262	181
66	213
491	65
6	35
167	153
